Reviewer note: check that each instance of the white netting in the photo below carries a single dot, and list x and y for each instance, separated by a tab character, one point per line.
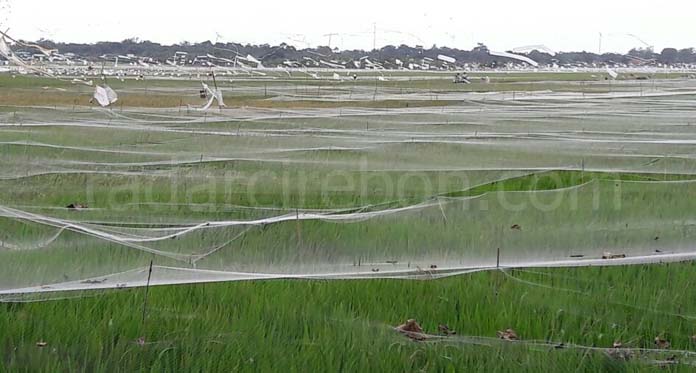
598	223
342	192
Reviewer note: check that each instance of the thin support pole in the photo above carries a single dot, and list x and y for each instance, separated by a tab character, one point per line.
147	290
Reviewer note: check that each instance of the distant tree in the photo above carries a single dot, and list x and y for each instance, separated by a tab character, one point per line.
480	48
541	57
669	56
644	53
686	55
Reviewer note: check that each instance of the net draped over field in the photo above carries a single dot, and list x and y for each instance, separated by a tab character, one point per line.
342	192
435	238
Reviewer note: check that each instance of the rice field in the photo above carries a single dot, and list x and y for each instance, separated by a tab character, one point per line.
296	228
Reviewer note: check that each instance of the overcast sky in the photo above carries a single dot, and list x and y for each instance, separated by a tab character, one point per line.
502	25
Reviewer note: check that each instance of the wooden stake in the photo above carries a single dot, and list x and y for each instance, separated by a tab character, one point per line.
147	290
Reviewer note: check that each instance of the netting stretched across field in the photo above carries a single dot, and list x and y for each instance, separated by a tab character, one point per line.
612	135
597	223
406	192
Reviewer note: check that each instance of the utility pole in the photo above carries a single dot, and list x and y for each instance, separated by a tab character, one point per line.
330	35
374	36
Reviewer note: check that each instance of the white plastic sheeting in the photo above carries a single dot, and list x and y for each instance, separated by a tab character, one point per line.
10	56
515	57
447	59
253	59
105	96
7	52
531	48
214	95
4	48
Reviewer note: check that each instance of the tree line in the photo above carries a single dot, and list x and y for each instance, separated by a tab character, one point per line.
276	55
